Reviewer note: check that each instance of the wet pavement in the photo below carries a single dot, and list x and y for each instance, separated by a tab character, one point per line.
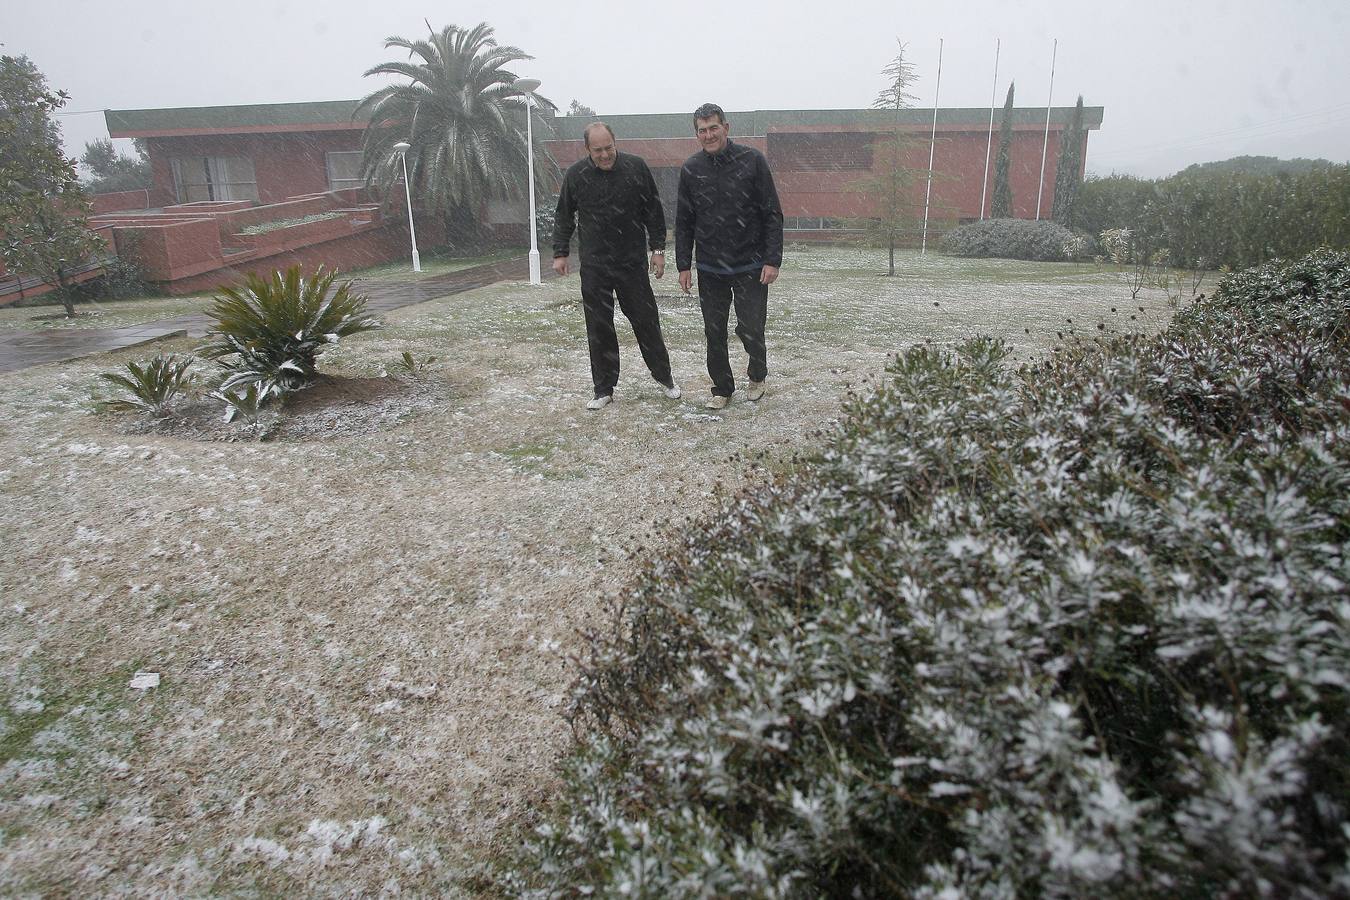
22	348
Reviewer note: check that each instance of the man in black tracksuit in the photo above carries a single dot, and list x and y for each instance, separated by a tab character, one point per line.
729	213
614	197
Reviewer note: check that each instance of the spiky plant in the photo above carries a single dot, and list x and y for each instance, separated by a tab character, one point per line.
248	401
270	331
409	366
151	386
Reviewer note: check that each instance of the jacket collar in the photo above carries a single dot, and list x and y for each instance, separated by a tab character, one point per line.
721	156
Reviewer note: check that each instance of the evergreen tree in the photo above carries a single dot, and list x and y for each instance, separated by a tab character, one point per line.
577	108
41	204
891	183
111	171
458	111
1069	170
1001	207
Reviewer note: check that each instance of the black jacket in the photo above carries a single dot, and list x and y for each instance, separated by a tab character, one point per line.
728	208
619	212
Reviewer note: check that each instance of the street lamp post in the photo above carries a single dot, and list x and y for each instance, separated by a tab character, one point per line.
403	147
528	86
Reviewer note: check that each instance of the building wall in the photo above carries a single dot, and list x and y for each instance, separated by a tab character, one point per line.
285	165
821	173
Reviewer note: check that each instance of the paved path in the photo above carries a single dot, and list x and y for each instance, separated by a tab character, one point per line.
23	348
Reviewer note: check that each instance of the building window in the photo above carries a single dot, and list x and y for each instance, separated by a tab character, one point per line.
197	178
344	170
823	152
819	223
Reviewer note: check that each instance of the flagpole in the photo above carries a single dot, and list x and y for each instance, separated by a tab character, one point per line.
932	144
989	142
1045	144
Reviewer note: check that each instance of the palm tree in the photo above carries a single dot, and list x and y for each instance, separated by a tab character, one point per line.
459	112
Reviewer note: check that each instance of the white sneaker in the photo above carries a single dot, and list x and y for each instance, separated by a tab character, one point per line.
755	391
717	401
600	402
672	391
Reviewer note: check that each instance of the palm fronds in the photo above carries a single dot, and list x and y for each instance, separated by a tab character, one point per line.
269	332
151	386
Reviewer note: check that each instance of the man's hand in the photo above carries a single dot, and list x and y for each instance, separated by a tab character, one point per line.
768	275
658	264
560	265
686	278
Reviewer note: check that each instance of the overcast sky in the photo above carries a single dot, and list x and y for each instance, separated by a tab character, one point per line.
1181	81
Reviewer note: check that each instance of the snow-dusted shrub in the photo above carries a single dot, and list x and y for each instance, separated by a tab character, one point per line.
1075	629
1118	245
1018	239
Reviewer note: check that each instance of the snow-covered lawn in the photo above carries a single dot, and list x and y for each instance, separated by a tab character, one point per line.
362	640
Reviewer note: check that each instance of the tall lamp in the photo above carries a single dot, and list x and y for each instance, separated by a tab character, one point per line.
403	147
528	86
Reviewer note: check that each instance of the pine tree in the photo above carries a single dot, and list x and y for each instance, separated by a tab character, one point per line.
1069	171
1001	208
891	181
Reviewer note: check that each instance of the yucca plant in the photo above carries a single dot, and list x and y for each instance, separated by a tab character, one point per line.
151	386
270	331
409	366
247	403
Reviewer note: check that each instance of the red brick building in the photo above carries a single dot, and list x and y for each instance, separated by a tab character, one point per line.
240	188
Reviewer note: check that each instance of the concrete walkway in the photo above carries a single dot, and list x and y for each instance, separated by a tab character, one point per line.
22	348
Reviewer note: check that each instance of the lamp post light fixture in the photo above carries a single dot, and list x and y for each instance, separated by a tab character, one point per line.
528	86
402	147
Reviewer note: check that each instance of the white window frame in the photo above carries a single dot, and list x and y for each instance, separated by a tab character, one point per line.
342	184
220	178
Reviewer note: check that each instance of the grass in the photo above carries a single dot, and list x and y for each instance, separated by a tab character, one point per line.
98	314
101	313
447	551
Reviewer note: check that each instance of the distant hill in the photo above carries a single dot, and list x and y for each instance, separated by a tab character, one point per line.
1258	165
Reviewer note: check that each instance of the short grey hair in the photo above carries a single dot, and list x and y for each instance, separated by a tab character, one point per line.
586	135
707	111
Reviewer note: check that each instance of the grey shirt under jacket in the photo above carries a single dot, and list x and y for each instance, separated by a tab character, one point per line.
618	211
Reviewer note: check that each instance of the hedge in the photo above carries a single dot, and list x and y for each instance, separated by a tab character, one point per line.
1077	628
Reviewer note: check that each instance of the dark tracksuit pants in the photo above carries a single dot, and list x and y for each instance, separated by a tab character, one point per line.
598	289
717	294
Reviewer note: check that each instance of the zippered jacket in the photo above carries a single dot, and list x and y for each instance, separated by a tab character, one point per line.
728	211
619	213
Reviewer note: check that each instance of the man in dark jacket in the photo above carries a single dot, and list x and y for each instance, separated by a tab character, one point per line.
728	215
613	197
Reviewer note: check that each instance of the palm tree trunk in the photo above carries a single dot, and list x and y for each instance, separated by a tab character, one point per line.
463	230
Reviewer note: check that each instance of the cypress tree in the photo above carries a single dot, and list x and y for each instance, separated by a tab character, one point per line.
1069	170
1001	207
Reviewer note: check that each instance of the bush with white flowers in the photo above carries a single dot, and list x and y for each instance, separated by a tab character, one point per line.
1079	628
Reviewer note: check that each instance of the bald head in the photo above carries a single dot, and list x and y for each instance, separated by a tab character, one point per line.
596	126
600	145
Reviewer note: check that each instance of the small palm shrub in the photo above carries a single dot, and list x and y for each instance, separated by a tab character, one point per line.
409	366
150	387
1043	241
270	331
246	400
1075	629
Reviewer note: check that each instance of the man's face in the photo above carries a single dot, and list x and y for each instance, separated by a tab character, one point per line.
601	149
712	133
